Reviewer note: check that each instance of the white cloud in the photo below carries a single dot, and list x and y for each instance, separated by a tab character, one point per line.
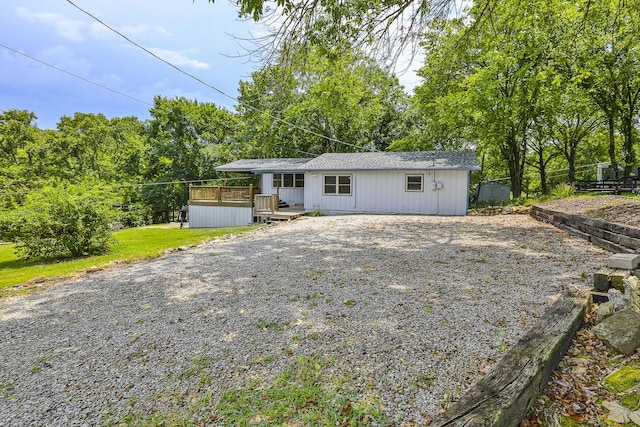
100	31
144	29
64	27
179	59
66	59
164	88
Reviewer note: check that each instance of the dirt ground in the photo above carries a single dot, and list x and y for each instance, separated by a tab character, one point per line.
577	394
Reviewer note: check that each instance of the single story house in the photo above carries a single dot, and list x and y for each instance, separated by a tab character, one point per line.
422	182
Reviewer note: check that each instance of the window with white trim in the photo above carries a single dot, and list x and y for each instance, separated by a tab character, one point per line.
288	180
414	182
337	184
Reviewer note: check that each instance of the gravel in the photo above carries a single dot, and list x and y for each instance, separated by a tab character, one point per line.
385	301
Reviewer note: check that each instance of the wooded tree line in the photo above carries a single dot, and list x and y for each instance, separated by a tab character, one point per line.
534	87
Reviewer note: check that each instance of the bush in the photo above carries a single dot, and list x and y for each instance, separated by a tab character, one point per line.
59	223
561	191
134	215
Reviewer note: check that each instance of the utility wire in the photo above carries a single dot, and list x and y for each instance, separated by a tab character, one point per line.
75	75
144	184
221	92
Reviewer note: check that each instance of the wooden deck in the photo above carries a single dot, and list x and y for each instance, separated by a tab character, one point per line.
282	214
266	207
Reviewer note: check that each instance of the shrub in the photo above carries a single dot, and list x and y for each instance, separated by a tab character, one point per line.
58	223
561	191
134	215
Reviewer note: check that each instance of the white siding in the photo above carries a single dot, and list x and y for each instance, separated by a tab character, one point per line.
291	196
219	216
385	192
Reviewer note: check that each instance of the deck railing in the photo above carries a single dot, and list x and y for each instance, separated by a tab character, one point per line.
265	203
216	194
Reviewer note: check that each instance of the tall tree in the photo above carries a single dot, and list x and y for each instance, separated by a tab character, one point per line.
610	60
322	104
182	139
498	84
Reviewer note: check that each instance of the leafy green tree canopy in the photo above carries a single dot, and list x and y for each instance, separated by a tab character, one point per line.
320	104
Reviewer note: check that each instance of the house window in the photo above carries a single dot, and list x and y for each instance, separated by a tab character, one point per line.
414	183
288	180
337	184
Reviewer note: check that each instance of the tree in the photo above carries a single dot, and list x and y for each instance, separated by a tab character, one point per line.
321	104
493	92
385	28
184	137
610	61
438	117
573	119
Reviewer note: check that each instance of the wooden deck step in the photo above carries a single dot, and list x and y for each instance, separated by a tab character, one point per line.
284	216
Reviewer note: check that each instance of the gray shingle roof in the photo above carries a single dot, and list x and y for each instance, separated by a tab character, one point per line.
461	160
265	165
415	160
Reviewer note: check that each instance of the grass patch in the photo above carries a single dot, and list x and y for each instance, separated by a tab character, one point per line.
624	378
131	244
263	325
299	396
625	383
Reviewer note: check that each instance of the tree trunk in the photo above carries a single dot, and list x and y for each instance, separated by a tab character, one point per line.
542	165
627	132
515	162
571	159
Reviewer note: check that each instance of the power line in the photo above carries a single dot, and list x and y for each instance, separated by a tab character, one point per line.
74	75
143	184
210	86
107	88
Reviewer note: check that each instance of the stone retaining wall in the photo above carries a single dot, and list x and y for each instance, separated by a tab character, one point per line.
617	238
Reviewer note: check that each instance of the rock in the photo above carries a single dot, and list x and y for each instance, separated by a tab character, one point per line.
606	278
617	278
618	299
620	331
601	281
604	310
624	261
632	291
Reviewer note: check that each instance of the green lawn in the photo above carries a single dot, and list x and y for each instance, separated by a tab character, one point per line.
132	244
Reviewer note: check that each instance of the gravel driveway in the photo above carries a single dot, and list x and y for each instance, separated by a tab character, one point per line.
406	311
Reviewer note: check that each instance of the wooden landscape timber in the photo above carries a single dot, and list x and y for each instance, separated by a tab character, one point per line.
613	237
503	397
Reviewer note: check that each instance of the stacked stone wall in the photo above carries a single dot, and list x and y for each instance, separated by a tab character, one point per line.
617	238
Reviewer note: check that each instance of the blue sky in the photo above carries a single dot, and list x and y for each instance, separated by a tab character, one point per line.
194	36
